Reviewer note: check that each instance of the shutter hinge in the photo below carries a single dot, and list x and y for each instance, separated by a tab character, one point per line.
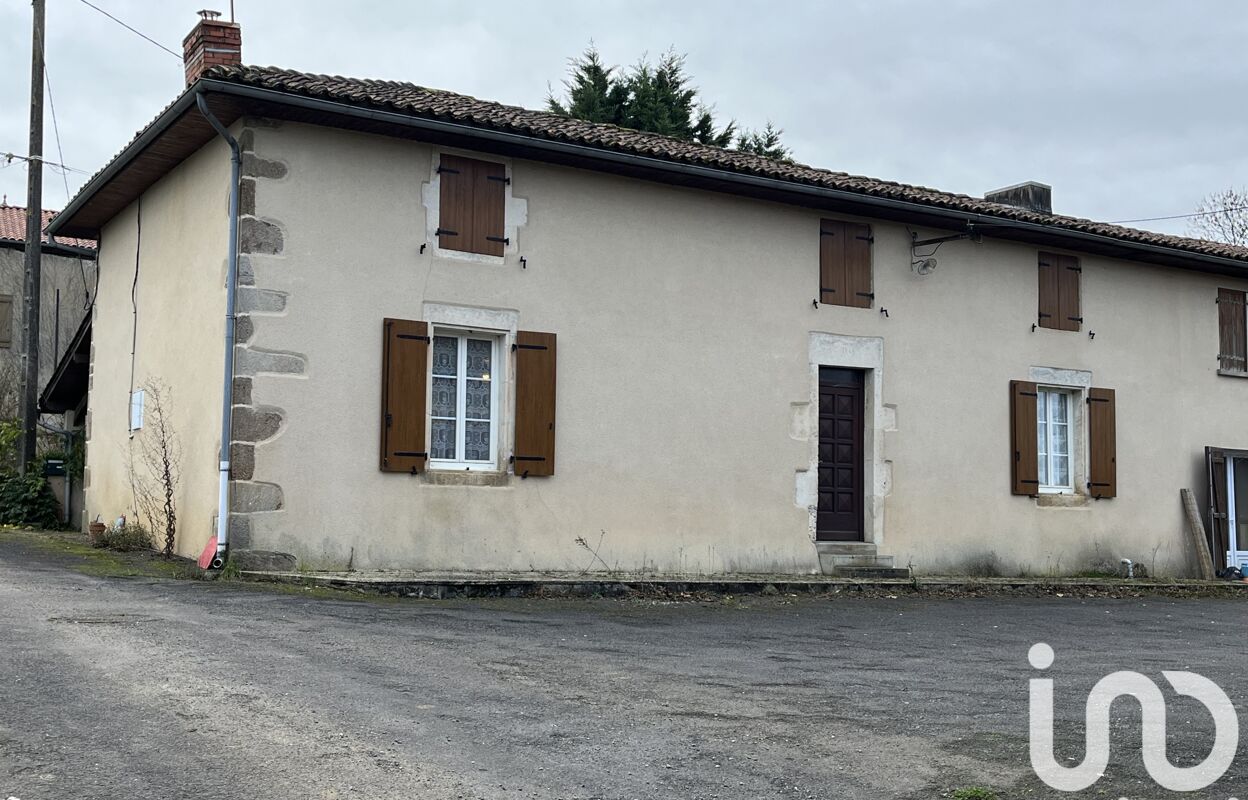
1098	399
442	169
1044	315
827	233
1075	319
865	294
412	336
499	178
503	239
826	290
1029	481
389	419
1029	394
866	238
515	347
1075	269
445	232
1045	264
408	454
528	458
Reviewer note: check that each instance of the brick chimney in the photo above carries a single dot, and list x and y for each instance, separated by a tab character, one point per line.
212	42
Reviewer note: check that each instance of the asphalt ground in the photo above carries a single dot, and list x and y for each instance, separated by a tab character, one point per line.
118	681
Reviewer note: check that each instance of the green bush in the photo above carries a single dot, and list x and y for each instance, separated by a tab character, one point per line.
28	500
131	536
10	432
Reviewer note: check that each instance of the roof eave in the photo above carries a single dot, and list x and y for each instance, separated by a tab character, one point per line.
928	215
123	159
52	248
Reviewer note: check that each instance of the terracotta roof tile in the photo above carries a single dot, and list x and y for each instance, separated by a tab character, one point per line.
13	227
419	101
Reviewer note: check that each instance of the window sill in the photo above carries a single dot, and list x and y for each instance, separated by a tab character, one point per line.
1066	500
1231	373
463	477
468	256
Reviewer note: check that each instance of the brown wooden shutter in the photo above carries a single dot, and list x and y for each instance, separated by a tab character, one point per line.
534	454
1102	444
858	265
1219	538
404	374
472	205
1059	292
489	203
832	262
1069	316
1049	311
1024	455
1232	346
845	263
455	228
6	320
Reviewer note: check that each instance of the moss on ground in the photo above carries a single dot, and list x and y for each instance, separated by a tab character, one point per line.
74	551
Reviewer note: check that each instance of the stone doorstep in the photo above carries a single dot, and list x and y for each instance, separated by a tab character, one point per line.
856	559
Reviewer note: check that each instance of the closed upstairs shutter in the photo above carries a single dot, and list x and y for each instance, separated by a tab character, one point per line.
405	366
845	264
489	202
1232	347
534	452
1059	292
1102	444
472	205
1024	454
455	203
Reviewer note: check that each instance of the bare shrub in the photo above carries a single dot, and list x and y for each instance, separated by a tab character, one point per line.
155	465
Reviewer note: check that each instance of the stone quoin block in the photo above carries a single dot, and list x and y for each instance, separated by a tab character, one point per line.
252	496
258	236
255	424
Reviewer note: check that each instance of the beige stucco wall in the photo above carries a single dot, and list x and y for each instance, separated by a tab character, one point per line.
684	420
180	297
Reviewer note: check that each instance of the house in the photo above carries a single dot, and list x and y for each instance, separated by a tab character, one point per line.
68	276
66	288
469	336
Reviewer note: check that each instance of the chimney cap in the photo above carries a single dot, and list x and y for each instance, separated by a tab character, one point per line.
208	13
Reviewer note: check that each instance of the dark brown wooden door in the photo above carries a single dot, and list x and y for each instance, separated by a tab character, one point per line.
840	513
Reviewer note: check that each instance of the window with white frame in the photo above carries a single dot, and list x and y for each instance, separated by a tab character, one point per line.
464	402
1055	435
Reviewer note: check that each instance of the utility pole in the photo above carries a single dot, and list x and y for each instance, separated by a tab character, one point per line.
34	242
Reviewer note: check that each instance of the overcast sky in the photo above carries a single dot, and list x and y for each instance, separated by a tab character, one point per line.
1128	109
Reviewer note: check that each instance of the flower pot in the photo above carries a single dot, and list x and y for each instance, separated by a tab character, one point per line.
96	531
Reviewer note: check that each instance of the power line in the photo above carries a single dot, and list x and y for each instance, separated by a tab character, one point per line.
1183	216
56	129
132	30
11	157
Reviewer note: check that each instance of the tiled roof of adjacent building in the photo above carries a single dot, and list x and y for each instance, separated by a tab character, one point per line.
411	99
13	227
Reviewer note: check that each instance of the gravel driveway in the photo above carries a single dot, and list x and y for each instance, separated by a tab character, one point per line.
159	688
